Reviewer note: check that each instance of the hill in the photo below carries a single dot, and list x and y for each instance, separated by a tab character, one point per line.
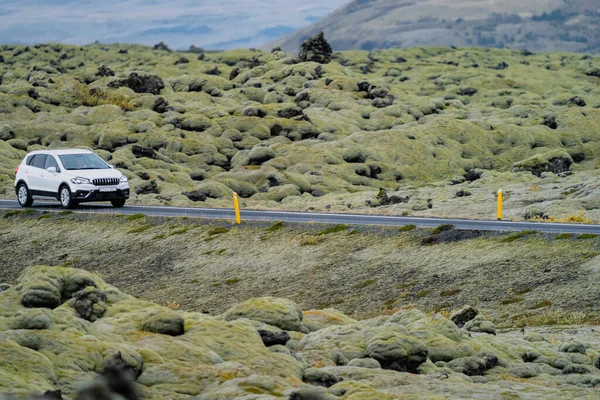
535	25
67	332
188	129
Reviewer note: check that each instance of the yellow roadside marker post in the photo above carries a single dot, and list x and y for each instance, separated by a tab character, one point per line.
500	205
236	206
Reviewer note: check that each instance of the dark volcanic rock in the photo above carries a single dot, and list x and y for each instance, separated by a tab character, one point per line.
195	196
160	105
316	49
141	151
182	60
255	112
319	377
161	46
140	83
290	113
550	122
272	338
464	315
469	91
90	304
576	100
103	71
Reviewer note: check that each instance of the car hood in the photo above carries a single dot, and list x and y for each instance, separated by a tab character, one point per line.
94	173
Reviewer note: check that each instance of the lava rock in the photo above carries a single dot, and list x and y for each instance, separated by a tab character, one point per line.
272	338
319	377
165	323
140	83
195	196
90	304
578	101
316	49
550	122
255	112
104	71
572	346
470	366
464	315
141	151
160	106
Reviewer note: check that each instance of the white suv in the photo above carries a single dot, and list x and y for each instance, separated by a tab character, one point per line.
70	176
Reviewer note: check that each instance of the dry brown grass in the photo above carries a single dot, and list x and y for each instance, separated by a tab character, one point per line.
173	305
570	219
311	240
558	317
99	97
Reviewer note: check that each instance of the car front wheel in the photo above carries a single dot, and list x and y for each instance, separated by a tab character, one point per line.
118	203
66	200
24	196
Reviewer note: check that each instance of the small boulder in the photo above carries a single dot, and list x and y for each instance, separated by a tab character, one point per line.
6	133
141	151
259	155
195	196
160	105
572	346
255	112
319	377
166	323
104	71
464	315
282	313
4	287
90	303
147	187
525	371
550	122
313	393
480	325
182	60
469	91
140	83
273	337
32	320
470	366
129	361
577	101
364	363
397	352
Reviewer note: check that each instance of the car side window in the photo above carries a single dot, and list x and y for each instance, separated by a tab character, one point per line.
30	160
51	162
39	161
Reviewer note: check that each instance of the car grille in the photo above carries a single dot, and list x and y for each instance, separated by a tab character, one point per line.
106	181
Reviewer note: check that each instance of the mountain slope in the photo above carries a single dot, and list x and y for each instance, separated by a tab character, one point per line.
537	25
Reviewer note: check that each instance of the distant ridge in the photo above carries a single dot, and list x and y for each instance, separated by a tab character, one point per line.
536	25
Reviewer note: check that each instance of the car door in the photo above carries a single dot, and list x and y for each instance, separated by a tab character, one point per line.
36	171
51	180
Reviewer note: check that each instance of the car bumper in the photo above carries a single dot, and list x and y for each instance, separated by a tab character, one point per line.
96	194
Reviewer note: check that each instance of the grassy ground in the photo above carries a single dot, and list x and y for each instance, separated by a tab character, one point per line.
208	266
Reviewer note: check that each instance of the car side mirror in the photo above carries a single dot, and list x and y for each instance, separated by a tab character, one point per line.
52	170
112	166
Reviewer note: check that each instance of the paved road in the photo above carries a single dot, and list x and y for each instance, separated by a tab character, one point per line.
326	218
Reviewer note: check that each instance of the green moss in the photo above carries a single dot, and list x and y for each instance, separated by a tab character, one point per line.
517	236
65	212
448	293
366	283
408	228
158	237
14	213
423	293
45	216
564	236
523	291
180	231
217	231
275	227
334	229
140	229
442	228
584	236
135	217
232	281
542	304
512	300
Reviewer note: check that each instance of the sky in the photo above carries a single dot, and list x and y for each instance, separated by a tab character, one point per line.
210	24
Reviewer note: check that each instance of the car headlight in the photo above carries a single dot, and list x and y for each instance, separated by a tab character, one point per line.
123	179
81	181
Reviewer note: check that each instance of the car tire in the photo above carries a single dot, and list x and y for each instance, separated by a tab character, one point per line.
118	203
24	195
66	198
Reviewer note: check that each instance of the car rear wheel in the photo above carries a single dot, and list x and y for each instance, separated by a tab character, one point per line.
118	203
66	200
24	196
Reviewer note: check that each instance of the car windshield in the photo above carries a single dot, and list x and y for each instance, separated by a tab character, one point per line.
82	161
